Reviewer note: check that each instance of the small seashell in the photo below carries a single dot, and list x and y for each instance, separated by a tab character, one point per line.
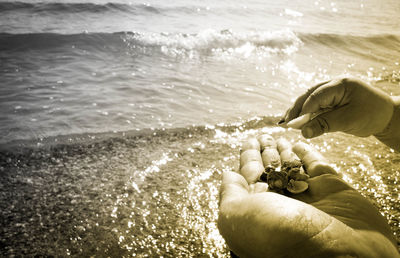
289	159
292	172
296	175
298	122
290	165
269	169
277	180
264	160
297	187
263	177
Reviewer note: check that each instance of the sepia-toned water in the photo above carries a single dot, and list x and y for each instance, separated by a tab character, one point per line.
118	118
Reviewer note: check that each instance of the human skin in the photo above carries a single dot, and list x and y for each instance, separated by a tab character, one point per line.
330	219
351	106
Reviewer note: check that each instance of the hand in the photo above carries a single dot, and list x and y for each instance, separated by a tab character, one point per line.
330	219
352	107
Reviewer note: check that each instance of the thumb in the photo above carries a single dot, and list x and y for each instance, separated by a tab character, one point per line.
233	187
332	121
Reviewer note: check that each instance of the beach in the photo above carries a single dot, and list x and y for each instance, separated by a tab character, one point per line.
119	117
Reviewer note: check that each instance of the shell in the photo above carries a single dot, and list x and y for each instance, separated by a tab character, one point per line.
298	122
289	159
297	187
263	177
297	175
291	165
277	180
292	172
269	169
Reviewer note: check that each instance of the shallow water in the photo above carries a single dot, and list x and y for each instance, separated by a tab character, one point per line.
118	118
155	193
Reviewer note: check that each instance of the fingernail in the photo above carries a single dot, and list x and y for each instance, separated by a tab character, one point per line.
308	132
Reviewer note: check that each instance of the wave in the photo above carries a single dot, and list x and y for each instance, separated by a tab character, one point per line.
37	41
136	8
207	42
212	42
343	39
76	8
61	8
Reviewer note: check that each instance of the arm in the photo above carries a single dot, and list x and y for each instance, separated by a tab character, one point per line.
391	134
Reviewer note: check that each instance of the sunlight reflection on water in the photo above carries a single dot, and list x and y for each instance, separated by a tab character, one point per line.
183	221
158	194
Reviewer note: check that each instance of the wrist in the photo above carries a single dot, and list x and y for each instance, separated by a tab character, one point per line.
390	135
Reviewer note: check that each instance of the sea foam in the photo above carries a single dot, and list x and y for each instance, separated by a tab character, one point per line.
225	41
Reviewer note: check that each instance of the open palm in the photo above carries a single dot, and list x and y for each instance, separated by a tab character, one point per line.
330	219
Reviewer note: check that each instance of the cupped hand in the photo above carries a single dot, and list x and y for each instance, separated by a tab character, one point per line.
347	105
330	219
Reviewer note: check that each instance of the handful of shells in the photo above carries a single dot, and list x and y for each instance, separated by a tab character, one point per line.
266	160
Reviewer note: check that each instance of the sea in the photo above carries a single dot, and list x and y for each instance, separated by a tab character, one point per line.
118	117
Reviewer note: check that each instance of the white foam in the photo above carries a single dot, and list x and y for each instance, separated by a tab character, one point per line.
215	42
293	13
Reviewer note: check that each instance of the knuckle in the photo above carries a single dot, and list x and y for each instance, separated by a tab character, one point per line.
349	81
323	124
344	80
313	97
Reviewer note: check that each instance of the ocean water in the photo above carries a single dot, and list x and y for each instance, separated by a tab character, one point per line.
119	117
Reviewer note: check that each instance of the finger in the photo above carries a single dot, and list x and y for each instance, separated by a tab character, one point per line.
331	121
314	162
270	156
252	171
295	110
250	144
288	158
290	162
251	161
327	96
283	144
233	186
266	141
248	156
